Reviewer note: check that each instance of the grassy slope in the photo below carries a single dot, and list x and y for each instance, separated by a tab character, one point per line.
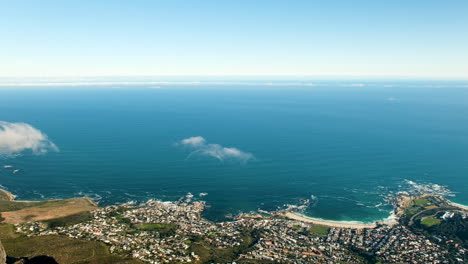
64	249
6	206
17	212
4	196
210	254
69	219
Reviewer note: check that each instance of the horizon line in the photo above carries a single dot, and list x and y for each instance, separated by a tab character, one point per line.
295	77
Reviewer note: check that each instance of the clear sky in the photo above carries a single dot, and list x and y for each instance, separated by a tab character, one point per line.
419	38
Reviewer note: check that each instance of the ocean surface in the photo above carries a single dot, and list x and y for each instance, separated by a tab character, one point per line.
344	146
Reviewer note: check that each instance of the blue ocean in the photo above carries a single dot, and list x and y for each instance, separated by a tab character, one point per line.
346	146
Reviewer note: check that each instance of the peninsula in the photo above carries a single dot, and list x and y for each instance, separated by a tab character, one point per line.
14	212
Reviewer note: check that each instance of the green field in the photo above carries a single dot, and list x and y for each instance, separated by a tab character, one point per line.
421	202
318	230
161	228
210	254
64	249
154	226
430	221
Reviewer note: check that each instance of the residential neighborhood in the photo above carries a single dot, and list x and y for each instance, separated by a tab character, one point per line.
166	232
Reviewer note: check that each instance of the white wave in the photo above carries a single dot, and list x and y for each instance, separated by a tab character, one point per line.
430	188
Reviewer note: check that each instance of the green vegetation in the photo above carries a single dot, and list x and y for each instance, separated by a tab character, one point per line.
164	230
318	230
421	202
6	206
410	211
7	231
210	254
430	221
255	261
454	229
69	220
154	226
123	220
297	227
161	228
63	249
363	255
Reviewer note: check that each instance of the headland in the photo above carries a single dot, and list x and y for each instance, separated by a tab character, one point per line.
6	195
14	212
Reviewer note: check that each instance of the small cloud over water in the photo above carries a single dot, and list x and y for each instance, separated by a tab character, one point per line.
193	141
200	147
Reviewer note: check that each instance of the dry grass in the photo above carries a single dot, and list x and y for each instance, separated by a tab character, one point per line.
39	211
6	196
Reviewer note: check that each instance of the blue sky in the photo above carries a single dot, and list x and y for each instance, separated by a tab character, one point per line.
234	37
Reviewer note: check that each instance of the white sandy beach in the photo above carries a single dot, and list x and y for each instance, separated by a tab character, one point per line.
330	223
464	207
391	220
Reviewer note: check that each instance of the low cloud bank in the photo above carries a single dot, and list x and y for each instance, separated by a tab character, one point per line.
202	148
18	137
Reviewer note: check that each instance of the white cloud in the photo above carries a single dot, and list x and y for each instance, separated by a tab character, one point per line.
193	141
18	137
202	148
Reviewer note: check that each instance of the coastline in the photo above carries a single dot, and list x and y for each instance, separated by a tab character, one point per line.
15	212
10	196
462	206
291	215
392	219
329	223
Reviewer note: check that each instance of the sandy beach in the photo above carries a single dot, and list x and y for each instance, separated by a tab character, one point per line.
330	223
464	207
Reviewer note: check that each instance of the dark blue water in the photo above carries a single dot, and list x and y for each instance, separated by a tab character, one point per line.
348	146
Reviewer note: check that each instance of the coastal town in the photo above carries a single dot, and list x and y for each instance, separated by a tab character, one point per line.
176	232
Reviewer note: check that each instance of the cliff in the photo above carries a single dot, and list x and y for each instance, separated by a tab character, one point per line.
2	254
